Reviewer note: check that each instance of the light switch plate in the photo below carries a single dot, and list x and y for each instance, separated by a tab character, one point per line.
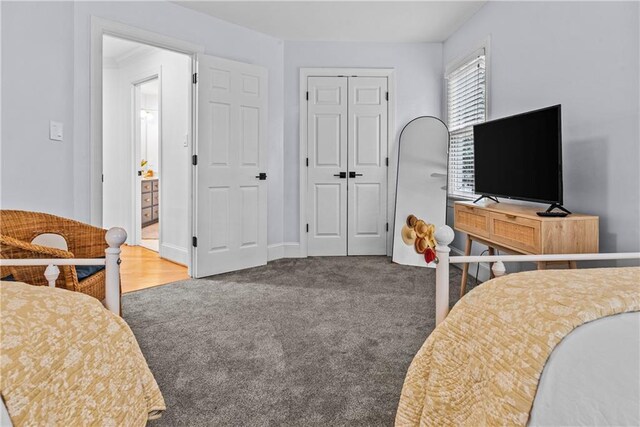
56	131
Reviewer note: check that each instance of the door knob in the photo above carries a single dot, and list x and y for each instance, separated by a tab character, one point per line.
262	176
353	174
341	175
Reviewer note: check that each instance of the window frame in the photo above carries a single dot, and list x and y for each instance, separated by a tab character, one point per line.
451	67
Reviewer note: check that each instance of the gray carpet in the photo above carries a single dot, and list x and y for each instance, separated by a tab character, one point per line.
299	342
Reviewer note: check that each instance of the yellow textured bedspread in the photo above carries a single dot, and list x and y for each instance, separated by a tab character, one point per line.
66	361
481	366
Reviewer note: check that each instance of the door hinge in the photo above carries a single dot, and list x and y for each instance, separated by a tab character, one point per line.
387	226
307	228
194	160
307	162
194	78
194	241
387	162
102	177
387	96
307	95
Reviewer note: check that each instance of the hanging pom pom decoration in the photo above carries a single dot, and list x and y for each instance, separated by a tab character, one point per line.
420	234
429	255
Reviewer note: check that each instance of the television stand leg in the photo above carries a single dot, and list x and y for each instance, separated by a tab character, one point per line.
559	206
495	199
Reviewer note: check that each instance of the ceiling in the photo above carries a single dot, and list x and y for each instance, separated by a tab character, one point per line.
373	21
117	50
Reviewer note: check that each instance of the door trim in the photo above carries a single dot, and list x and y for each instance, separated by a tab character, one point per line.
392	147
99	28
136	154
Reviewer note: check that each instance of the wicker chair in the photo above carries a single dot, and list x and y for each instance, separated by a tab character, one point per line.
19	228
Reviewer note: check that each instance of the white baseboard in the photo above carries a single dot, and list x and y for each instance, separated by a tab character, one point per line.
174	253
483	273
292	250
283	250
275	252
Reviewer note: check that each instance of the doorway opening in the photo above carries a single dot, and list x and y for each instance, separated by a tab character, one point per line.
146	148
147	138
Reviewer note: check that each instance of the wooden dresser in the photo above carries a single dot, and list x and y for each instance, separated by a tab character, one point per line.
517	229
150	201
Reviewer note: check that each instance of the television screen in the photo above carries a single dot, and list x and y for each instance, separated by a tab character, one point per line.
520	157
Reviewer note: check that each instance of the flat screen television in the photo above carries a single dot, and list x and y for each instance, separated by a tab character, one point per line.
520	157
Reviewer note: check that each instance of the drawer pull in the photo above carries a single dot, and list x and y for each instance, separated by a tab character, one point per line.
146	214
470	208
510	216
146	200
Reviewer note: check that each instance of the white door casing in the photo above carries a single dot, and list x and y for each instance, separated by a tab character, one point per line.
327	160
231	201
137	156
367	168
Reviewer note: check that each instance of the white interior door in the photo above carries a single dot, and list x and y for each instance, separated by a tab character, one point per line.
231	197
327	166
367	168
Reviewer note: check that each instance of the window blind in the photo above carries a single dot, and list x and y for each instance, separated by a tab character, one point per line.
466	106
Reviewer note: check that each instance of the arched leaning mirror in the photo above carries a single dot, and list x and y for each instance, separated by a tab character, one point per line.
421	189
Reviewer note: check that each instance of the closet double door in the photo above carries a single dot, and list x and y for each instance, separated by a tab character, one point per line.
347	165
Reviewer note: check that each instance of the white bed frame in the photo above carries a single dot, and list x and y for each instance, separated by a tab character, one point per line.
115	239
444	236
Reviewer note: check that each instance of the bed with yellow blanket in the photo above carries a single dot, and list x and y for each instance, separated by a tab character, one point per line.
67	361
483	365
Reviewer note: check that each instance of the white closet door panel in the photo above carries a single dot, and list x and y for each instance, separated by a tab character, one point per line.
231	202
328	222
366	209
367	153
327	151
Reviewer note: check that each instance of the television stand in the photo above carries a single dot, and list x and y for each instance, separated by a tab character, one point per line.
495	199
517	229
549	211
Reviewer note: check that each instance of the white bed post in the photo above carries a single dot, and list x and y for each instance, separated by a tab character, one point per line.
51	273
444	236
116	236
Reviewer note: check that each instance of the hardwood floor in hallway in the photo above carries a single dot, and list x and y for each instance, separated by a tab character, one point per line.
142	268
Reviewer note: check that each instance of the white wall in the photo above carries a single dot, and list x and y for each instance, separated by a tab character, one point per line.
418	73
37	86
174	72
175	170
55	36
585	56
